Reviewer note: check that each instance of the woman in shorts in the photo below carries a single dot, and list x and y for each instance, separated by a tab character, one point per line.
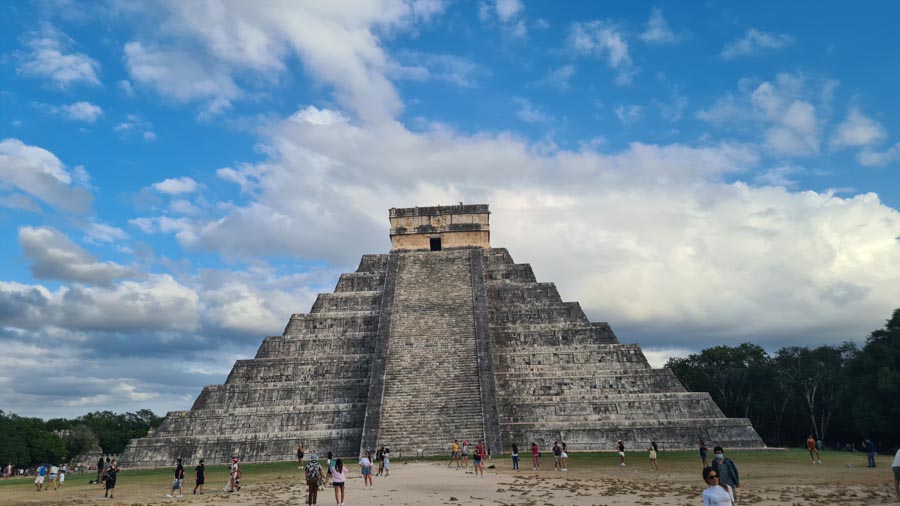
338	477
564	458
465	454
365	464
478	458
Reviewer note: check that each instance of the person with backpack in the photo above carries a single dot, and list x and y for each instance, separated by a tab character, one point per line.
39	477
313	472
111	473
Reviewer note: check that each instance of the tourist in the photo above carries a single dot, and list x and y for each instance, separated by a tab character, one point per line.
620	447
54	476
454	454
338	476
330	462
300	457
99	470
564	458
716	493
895	467
703	451
178	483
557	454
200	477
515	457
313	474
235	476
106	466
379	456
111	472
39	477
870	452
365	465
535	456
63	471
725	468
478	459
8	471
387	461
811	447
465	453
652	450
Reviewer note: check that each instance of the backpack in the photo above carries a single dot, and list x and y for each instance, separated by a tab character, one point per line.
312	471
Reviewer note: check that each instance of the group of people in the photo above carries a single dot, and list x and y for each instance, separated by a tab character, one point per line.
481	453
317	477
46	476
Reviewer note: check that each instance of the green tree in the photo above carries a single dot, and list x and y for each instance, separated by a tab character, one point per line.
875	382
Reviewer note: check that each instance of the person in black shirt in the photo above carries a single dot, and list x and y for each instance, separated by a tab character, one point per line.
111	479
99	469
179	480
201	477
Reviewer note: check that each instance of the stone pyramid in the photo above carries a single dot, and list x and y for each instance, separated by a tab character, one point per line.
442	338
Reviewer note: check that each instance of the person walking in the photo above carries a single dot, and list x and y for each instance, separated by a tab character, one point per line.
515	457
535	456
465	453
365	465
313	472
338	477
703	452
454	454
39	476
300	457
478	459
811	447
620	447
54	476
235	476
870	452
200	477
111	474
178	484
653	449
716	492
726	470
564	457
63	471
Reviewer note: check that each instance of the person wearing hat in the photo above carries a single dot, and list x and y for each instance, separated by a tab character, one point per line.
235	483
313	472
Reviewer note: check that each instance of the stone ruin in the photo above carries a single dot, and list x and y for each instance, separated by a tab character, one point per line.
443	338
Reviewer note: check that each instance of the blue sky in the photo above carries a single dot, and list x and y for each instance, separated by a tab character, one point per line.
177	178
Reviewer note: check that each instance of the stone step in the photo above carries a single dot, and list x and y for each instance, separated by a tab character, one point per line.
367	281
331	303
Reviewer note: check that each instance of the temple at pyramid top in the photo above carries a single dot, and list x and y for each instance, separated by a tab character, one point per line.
440	227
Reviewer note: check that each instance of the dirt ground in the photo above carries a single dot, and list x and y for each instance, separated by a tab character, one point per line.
767	479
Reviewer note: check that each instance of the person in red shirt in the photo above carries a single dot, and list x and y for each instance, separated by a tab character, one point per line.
480	456
535	456
811	446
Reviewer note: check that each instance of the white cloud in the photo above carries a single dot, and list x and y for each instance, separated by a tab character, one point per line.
54	256
47	58
857	130
181	76
755	42
558	78
657	29
604	40
176	186
41	174
871	158
83	111
102	233
418	66
630	114
781	110
507	9
126	87
530	113
643	222
135	125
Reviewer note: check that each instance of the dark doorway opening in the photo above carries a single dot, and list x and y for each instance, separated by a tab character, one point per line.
435	243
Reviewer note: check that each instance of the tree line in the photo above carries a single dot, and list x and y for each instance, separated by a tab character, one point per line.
30	441
839	394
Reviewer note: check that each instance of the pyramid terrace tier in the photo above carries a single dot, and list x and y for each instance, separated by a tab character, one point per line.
303	392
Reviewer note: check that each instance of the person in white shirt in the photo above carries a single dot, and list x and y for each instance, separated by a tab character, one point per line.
716	493
365	463
338	477
895	466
